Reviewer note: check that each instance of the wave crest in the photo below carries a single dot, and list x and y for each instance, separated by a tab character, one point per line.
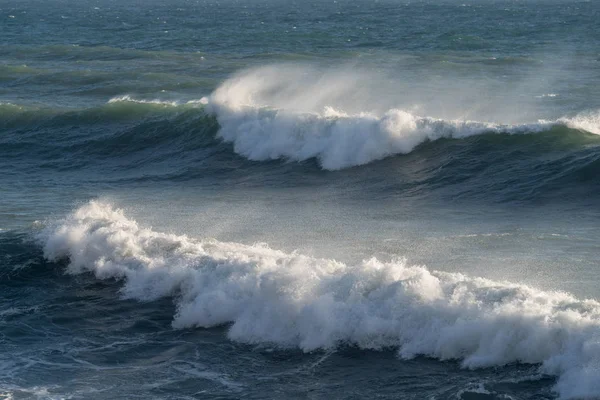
293	300
338	140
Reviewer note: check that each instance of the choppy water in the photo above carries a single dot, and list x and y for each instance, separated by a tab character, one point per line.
323	199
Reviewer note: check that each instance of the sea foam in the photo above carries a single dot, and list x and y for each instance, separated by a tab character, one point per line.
296	301
173	103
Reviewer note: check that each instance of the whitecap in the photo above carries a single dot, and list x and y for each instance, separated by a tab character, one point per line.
295	301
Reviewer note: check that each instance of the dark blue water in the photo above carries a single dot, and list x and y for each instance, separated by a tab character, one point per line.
323	199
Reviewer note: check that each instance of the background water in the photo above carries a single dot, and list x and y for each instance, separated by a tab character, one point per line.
177	179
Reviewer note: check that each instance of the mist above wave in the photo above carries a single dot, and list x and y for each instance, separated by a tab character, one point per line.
293	300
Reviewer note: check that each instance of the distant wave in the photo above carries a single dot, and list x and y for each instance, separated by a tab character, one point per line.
340	140
336	139
293	300
116	109
266	114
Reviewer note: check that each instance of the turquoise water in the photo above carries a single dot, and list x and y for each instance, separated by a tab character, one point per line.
323	199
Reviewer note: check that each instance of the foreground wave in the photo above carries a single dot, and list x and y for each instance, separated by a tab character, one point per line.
293	300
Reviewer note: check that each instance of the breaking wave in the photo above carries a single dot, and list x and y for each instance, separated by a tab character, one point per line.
270	114
334	138
293	300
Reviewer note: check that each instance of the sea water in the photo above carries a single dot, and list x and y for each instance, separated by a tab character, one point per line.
288	199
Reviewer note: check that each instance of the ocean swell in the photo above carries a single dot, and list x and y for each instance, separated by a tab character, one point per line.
258	132
293	300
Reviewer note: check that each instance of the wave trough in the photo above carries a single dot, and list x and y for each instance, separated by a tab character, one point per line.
293	300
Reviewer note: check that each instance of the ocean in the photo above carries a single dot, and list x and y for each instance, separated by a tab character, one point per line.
320	199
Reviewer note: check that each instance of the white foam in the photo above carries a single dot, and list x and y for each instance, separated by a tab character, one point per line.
589	122
292	300
478	388
273	113
129	99
10	105
339	140
199	371
10	392
546	95
170	103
